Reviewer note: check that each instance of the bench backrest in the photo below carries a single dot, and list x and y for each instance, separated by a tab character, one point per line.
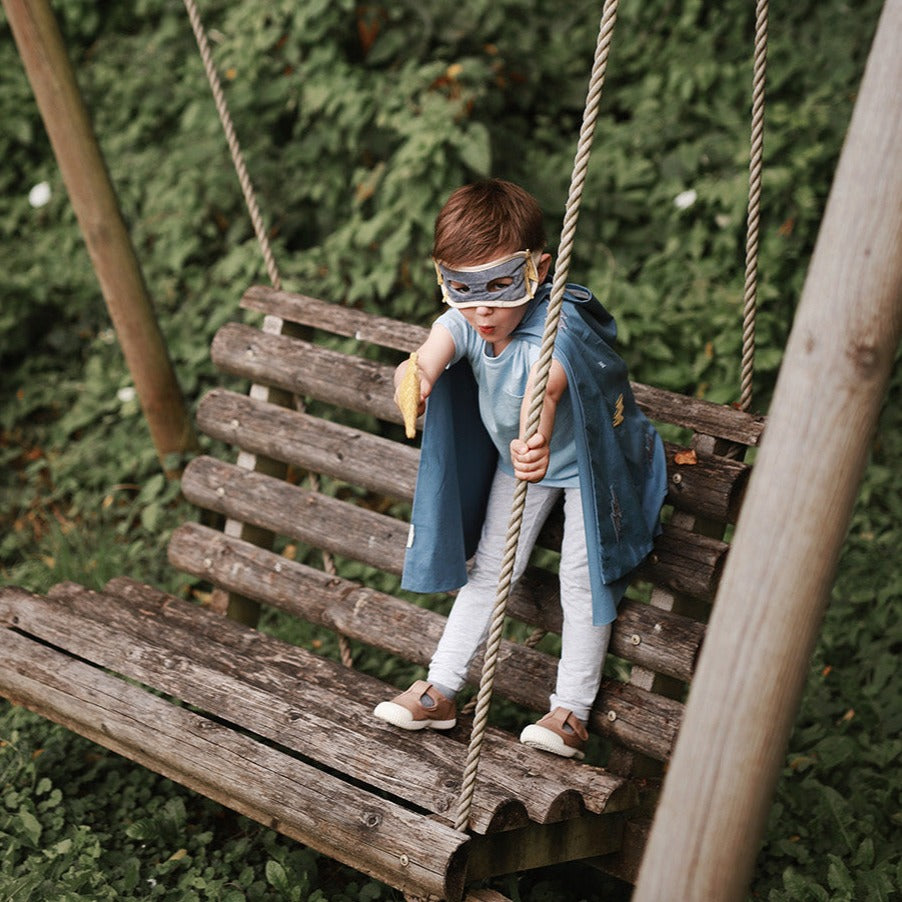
317	503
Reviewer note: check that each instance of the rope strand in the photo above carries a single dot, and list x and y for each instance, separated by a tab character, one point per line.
756	159
247	189
552	319
250	199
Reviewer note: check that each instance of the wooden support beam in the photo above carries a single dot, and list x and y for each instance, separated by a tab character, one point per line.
84	172
752	669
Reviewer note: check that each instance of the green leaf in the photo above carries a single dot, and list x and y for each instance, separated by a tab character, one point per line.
31	825
839	878
276	875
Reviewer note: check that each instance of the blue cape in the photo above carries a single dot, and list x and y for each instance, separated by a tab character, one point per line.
623	474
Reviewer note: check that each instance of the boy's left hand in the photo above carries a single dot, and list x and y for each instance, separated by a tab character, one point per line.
530	459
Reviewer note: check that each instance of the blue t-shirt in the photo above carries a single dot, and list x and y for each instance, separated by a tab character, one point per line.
502	384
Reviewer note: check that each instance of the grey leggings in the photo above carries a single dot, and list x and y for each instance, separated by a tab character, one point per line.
583	645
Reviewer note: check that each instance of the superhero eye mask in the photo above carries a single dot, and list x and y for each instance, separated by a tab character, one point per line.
506	282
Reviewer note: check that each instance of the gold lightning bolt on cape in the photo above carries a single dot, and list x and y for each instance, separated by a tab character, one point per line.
618	412
409	396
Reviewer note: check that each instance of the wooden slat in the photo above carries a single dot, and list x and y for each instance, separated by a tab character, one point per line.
711	488
661	641
335	318
698	415
518	850
361	829
299	513
526	676
658	640
693	413
683	560
328	448
306	370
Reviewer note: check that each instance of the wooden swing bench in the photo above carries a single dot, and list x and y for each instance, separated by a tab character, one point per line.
286	736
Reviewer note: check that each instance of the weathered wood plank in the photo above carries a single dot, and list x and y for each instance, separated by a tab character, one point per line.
693	413
335	318
321	521
698	415
644	635
682	560
525	675
328	448
659	640
710	488
344	822
685	562
306	370
506	853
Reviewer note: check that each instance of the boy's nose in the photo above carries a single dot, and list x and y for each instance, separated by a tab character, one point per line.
484	310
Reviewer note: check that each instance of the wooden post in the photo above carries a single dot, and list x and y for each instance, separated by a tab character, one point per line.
752	670
78	155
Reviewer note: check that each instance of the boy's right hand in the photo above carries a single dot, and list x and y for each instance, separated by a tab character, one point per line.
530	459
425	386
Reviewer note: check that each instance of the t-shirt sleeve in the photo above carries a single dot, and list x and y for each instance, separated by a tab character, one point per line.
455	323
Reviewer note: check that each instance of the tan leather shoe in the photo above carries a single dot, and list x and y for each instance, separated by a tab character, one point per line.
560	732
408	712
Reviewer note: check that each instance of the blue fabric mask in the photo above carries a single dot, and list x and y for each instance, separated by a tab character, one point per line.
487	285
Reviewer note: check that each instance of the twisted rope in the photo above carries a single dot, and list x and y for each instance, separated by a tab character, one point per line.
756	157
225	118
250	200
552	320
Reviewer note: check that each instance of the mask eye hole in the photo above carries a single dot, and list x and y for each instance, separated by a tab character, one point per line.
499	284
461	287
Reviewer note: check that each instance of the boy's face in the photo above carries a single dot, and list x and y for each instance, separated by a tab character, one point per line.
496	323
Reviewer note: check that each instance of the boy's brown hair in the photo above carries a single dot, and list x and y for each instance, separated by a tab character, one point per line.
486	217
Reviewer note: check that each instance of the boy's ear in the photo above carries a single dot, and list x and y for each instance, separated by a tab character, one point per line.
544	265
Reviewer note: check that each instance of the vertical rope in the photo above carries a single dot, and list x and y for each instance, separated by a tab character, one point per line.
225	118
552	319
250	199
756	158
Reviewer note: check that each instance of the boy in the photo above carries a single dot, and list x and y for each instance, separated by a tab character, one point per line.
593	447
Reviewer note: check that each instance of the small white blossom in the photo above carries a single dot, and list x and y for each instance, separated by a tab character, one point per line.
39	195
685	199
126	394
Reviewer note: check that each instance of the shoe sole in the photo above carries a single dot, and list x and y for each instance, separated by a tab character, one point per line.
537	737
399	716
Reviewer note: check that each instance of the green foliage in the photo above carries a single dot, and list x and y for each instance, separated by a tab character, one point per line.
78	824
356	121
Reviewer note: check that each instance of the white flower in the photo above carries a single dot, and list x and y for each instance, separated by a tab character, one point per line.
126	394
685	199
39	195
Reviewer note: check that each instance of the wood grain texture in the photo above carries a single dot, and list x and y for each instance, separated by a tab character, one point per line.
769	608
712	487
693	413
525	675
347	823
682	560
